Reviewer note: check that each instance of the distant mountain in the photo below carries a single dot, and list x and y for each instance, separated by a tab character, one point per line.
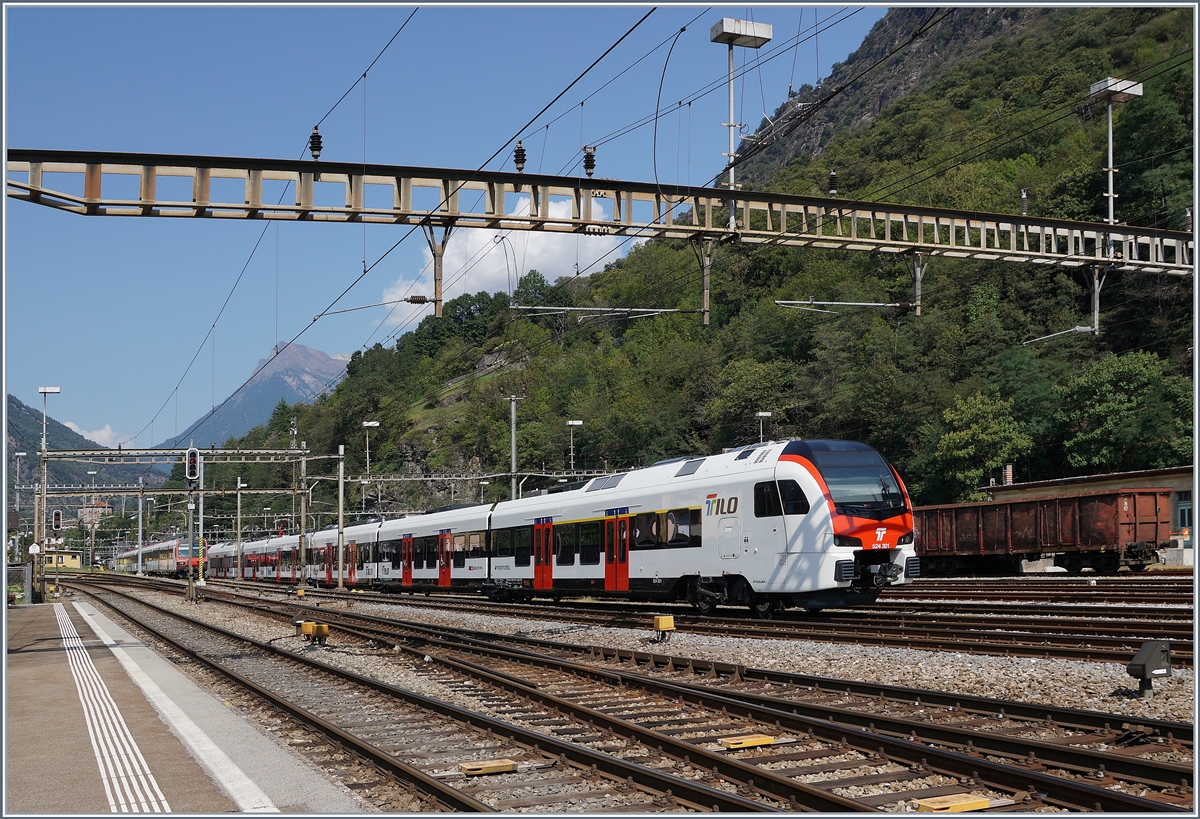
25	435
296	374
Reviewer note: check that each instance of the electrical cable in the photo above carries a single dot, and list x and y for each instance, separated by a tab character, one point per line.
250	258
461	184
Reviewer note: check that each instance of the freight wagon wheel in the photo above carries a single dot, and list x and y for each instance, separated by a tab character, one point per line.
1108	563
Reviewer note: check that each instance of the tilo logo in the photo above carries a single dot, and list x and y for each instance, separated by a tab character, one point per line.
720	506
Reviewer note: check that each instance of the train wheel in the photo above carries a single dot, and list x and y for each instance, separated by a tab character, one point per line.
761	607
1108	563
557	599
705	605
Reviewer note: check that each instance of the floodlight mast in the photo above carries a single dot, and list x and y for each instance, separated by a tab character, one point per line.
748	35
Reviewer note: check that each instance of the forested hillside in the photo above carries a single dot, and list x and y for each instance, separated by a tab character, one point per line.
984	104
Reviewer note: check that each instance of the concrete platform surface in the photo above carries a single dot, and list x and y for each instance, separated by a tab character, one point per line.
97	722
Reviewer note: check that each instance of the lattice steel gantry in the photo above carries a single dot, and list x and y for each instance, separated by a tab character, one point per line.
94	183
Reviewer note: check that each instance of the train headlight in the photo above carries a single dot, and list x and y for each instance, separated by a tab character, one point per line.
847	542
905	539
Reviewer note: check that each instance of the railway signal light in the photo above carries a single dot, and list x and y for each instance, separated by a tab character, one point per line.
191	467
56	520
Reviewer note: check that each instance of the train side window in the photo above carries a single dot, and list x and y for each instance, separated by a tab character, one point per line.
679	528
589	543
522	545
766	500
475	544
459	555
502	543
794	501
645	529
564	544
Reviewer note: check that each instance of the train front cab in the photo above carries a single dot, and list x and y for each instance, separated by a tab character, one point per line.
856	542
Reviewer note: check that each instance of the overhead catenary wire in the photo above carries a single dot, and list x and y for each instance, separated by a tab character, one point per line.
250	258
386	253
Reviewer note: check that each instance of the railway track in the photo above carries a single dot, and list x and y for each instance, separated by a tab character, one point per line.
1140	589
454	758
1000	632
929	750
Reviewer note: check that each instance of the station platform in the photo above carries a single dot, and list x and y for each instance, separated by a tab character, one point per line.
97	722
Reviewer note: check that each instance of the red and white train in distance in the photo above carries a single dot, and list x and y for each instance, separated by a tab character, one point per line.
814	524
167	557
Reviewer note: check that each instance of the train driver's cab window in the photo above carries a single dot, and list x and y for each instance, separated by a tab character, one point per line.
522	545
589	543
794	501
766	500
564	544
502	543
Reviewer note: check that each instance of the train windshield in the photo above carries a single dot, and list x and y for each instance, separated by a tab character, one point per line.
860	481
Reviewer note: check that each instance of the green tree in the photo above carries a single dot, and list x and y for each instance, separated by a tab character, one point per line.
1127	412
981	435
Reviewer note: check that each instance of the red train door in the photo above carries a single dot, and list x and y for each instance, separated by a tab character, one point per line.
616	549
543	553
351	561
279	565
330	559
406	560
444	558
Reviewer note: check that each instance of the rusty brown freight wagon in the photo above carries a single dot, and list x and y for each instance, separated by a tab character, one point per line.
1102	530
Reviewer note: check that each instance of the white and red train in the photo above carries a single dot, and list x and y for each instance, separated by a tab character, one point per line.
168	557
814	524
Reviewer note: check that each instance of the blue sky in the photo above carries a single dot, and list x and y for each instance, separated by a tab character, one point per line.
113	310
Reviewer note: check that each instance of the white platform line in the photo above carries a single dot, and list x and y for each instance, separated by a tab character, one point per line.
224	771
126	777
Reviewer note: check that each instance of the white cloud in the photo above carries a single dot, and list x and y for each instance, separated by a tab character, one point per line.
103	436
476	259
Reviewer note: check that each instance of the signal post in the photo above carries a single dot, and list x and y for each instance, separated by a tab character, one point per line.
191	472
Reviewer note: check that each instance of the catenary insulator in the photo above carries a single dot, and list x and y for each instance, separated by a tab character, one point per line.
1188	220
417	299
589	159
1024	203
833	183
519	157
314	144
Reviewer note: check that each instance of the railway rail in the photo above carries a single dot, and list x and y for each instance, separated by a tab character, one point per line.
1001	632
926	752
437	748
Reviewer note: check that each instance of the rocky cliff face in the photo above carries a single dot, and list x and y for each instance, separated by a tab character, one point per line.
959	35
